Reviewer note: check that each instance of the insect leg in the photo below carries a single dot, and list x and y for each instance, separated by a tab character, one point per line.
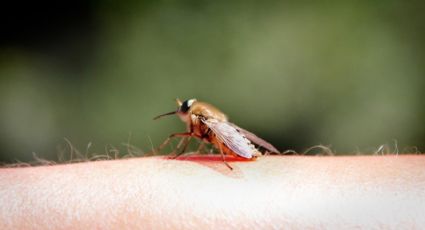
184	142
167	141
223	158
201	147
179	145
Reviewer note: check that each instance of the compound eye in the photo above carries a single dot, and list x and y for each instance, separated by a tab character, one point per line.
186	105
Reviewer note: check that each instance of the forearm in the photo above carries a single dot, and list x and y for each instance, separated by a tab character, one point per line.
385	191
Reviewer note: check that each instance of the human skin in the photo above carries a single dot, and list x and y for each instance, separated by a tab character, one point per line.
200	192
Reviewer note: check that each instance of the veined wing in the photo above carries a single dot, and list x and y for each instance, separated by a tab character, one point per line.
233	139
255	139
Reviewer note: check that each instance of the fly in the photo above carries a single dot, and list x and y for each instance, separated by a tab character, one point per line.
206	122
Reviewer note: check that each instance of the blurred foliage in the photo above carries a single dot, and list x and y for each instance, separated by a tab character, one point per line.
349	74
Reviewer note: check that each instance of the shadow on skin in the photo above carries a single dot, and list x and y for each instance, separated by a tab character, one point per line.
215	163
210	157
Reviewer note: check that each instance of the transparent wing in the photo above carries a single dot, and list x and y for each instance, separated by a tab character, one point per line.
233	139
255	139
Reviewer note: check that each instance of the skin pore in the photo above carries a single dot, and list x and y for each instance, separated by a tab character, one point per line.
200	192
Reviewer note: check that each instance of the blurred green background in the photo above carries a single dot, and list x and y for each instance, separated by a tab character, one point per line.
349	74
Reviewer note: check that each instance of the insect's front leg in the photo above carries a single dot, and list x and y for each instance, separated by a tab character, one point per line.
183	142
174	135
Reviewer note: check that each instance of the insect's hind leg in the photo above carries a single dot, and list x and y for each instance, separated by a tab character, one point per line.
224	158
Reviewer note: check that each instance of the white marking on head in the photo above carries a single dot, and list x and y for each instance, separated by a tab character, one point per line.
190	102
